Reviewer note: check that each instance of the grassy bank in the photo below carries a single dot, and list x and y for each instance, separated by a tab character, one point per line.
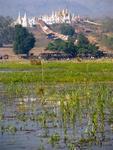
54	72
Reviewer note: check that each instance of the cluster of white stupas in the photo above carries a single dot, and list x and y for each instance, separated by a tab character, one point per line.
61	16
25	21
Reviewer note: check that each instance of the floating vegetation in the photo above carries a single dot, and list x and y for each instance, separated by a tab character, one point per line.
54	139
8	129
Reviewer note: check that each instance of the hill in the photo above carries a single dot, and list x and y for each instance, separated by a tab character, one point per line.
41	38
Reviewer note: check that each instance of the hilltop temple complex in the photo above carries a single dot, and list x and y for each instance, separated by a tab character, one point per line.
61	16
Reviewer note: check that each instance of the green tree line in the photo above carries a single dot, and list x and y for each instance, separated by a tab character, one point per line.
82	48
6	31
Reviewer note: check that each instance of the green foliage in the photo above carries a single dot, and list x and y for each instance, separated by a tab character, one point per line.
82	40
23	41
57	72
8	129
54	139
84	48
67	29
71	146
87	49
57	44
60	45
6	31
71	48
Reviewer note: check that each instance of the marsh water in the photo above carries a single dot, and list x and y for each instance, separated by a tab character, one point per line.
61	116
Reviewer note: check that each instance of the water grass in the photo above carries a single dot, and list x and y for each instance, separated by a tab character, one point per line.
75	101
65	108
57	72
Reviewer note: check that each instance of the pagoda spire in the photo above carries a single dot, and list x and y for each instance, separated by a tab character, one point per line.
19	18
25	16
25	21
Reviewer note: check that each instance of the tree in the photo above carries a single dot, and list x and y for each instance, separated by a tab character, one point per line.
87	49
83	49
23	40
67	30
71	48
6	30
57	44
65	46
82	40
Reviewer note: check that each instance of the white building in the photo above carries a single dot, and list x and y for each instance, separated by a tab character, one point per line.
25	21
61	16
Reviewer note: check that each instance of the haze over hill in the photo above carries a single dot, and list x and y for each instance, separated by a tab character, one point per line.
95	8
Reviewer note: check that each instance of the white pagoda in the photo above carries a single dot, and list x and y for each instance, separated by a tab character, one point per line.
25	21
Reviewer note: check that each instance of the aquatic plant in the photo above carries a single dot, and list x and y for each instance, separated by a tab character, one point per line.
1	111
65	99
54	139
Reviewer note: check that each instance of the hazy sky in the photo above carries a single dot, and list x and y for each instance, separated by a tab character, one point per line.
38	7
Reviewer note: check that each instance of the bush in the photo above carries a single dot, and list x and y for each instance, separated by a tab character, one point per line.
67	30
